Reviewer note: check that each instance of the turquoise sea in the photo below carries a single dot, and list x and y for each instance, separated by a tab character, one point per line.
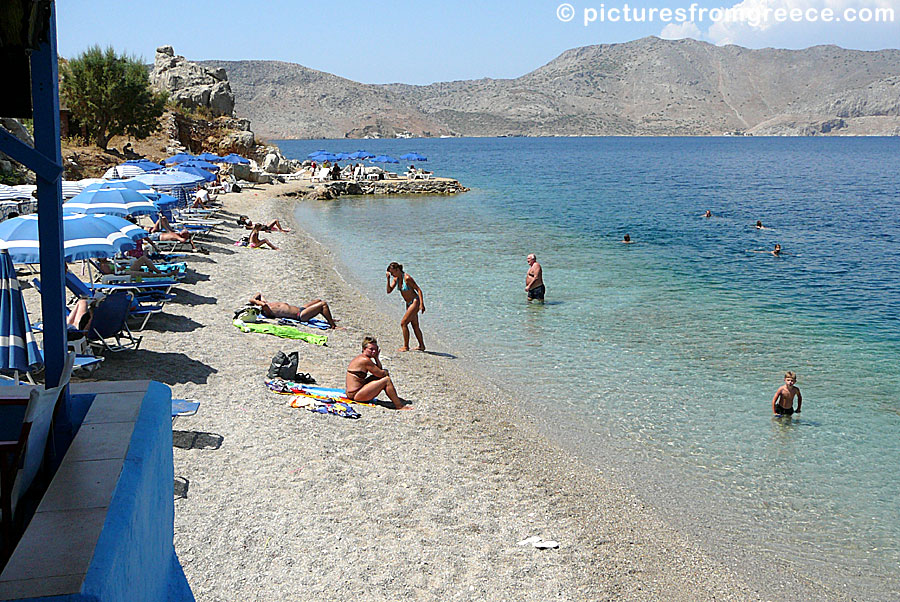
657	361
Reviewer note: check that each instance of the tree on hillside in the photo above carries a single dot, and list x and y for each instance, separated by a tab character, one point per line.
111	95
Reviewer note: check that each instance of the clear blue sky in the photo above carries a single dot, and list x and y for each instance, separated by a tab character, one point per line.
423	41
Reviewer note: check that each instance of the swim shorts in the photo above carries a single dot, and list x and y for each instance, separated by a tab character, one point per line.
536	292
154	236
781	411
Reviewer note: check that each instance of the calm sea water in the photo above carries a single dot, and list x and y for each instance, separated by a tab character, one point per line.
659	359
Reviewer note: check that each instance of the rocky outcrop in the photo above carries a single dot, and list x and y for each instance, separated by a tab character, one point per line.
645	87
332	190
192	85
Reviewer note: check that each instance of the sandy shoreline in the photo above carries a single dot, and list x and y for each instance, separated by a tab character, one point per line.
285	504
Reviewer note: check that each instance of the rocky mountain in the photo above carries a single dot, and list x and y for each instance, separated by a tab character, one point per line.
645	87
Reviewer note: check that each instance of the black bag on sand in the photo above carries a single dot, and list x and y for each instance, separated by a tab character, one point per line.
284	366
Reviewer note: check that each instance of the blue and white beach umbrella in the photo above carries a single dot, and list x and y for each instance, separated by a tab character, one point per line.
195	171
385	159
234	159
84	237
413	157
19	351
200	163
169	178
111	201
70	189
209	157
360	154
144	164
135	185
124	171
179	158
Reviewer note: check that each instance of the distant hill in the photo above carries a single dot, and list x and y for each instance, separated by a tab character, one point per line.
645	87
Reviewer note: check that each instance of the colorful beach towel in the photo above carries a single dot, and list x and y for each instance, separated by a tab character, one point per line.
288	387
311	323
338	408
285	332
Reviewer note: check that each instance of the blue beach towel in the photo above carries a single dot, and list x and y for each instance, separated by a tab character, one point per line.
312	323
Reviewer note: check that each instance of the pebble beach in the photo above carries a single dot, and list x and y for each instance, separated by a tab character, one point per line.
277	503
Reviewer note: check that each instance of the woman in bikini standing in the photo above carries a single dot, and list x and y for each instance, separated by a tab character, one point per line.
361	386
415	302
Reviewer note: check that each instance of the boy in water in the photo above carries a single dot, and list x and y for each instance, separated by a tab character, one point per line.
783	402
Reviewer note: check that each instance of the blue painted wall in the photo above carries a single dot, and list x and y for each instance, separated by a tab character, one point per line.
135	557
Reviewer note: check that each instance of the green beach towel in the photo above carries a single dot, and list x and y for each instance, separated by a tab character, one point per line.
285	332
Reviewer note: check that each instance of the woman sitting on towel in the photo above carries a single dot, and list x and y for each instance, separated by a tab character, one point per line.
366	378
256	242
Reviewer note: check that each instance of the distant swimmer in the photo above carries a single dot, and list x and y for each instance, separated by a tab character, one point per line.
627	239
534	280
783	402
708	213
776	252
759	226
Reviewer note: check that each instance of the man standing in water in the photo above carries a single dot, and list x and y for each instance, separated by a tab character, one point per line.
534	280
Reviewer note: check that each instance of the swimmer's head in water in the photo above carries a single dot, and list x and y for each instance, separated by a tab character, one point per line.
790	376
627	238
759	224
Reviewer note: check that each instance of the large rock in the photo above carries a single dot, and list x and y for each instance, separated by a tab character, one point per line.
271	163
192	85
241	143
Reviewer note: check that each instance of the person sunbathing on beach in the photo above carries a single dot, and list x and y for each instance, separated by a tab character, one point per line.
162	230
274	225
256	242
366	378
277	309
783	402
415	302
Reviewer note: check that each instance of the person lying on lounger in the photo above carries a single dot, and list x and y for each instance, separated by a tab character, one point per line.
366	378
162	230
278	309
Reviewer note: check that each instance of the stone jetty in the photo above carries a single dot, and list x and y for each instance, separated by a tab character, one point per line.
333	189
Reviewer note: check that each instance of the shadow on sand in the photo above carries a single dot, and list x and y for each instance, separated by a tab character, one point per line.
167	368
196	440
172	323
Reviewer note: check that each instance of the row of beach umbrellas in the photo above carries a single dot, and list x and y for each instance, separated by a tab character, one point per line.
232	158
93	226
320	156
84	237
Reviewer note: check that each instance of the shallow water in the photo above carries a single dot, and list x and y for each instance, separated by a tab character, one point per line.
659	359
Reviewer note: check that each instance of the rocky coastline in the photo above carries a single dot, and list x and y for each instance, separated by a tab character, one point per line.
332	190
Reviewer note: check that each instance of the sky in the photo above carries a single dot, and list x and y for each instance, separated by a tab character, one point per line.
426	41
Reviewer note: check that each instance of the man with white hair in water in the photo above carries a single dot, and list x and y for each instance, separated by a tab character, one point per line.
534	280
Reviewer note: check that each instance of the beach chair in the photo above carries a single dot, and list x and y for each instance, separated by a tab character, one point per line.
22	457
183	407
152	288
147	300
109	322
